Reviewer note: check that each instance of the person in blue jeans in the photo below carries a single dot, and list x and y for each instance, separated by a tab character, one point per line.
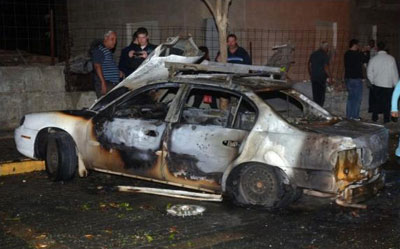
353	64
395	109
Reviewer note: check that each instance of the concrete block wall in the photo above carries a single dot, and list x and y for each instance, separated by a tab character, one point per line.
35	89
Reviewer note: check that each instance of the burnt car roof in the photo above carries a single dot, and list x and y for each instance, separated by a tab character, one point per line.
235	82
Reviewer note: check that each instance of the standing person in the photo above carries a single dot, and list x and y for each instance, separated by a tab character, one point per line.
106	72
236	54
395	110
318	68
353	65
141	50
383	74
124	58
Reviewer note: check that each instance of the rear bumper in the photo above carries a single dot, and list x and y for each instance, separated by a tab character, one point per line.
363	190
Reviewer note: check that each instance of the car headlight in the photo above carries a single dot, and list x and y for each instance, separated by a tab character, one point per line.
21	122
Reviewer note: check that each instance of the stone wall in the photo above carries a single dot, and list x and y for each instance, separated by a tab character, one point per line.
27	89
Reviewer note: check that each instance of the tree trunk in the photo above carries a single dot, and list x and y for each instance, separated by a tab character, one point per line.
220	14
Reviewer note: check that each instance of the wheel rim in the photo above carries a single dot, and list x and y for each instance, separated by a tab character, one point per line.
257	184
52	158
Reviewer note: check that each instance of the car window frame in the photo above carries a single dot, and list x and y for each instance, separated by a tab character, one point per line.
241	96
109	110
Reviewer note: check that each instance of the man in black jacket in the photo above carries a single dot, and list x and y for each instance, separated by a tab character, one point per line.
318	68
133	55
236	54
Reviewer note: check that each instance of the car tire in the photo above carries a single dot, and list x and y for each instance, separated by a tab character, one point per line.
61	159
261	186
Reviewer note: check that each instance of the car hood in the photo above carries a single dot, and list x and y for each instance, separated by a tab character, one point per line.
176	49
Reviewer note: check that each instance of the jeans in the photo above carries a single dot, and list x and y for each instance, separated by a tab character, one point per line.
354	89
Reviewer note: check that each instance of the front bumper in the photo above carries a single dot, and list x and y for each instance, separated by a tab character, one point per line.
25	141
362	190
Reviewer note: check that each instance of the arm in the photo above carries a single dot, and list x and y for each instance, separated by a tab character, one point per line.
327	71
370	72
395	73
98	59
99	72
327	68
309	66
395	100
246	59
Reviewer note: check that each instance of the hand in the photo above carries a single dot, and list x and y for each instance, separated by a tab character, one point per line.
121	74
103	88
395	114
143	54
131	53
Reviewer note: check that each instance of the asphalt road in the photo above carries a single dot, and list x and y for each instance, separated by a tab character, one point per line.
37	213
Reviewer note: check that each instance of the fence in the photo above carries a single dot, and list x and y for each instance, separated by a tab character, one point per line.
259	43
42	28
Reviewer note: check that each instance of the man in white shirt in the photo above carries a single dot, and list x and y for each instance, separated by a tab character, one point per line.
382	73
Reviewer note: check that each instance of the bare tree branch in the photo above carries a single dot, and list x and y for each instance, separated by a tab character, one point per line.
210	7
226	7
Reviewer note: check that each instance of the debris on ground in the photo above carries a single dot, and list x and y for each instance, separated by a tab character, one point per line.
186	210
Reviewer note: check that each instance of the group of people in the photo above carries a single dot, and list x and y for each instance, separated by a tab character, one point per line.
372	64
107	74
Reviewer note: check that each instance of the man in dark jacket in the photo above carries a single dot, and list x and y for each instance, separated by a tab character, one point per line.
236	54
318	68
133	55
124	58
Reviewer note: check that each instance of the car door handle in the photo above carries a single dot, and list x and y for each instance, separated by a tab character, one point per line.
231	143
151	133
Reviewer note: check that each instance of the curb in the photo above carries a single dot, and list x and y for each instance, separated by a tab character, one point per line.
20	167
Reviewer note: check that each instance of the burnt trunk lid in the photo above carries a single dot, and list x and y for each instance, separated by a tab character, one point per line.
371	138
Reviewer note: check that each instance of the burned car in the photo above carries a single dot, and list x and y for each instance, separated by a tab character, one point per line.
247	136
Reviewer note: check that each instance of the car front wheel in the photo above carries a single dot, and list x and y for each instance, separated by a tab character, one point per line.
61	159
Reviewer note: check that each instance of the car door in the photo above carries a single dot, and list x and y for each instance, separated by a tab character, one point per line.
130	132
212	126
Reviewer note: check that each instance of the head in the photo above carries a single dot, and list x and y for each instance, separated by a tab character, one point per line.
231	41
142	36
381	46
354	44
371	43
324	46
110	39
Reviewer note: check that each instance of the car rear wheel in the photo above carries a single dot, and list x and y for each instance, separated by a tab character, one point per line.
262	186
61	159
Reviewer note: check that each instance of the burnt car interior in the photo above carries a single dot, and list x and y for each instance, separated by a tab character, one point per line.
213	107
291	108
150	104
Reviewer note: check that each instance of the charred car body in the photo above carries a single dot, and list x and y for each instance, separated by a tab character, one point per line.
251	137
